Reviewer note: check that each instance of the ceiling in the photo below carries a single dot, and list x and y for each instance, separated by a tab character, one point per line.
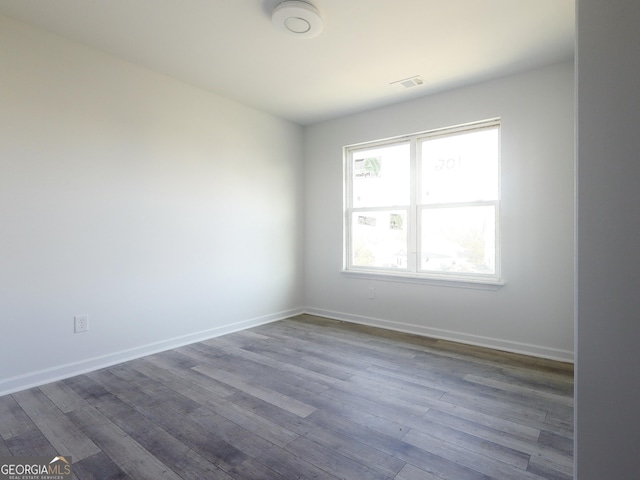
231	48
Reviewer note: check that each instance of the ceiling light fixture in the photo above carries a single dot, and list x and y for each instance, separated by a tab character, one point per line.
297	18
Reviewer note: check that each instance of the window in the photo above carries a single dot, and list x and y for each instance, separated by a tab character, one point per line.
425	205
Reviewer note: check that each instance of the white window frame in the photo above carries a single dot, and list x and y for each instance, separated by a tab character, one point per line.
412	274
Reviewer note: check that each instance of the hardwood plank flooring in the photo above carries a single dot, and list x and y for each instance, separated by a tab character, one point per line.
306	398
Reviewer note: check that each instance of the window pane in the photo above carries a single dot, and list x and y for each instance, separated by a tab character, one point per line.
460	168
381	176
460	240
379	239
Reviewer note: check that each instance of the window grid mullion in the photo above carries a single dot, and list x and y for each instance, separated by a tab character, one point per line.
412	233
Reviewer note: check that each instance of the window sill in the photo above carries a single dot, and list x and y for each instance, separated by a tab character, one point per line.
475	283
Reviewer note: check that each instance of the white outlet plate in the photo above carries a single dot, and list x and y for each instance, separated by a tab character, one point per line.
81	323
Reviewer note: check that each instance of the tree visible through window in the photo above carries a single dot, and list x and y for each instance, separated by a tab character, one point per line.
425	205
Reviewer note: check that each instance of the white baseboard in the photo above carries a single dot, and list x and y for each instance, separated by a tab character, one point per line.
59	372
495	343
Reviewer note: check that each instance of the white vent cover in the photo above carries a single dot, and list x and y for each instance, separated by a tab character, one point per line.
297	18
410	82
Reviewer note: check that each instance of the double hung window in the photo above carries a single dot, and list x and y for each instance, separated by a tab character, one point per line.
425	205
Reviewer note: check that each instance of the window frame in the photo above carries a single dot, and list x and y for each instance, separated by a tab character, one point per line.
413	273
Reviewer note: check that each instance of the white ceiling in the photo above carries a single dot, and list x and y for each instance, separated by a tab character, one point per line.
231	48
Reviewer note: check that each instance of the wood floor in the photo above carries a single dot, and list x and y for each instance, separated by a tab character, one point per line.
305	398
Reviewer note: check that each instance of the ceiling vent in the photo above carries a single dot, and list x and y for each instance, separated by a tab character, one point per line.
299	19
410	82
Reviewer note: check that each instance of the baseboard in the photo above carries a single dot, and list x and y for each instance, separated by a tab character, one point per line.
477	340
41	377
60	372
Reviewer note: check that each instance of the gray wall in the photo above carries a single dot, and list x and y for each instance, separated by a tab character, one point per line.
608	258
533	312
165	213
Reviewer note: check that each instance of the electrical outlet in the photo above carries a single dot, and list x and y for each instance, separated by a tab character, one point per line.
372	293
81	323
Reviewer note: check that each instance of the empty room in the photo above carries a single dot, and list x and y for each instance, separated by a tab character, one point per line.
321	239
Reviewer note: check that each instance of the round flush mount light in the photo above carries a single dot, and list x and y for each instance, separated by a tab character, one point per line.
297	18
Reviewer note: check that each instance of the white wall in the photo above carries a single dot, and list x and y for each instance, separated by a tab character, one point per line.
608	248
533	312
164	212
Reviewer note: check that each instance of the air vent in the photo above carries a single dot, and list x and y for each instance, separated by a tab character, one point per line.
410	82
